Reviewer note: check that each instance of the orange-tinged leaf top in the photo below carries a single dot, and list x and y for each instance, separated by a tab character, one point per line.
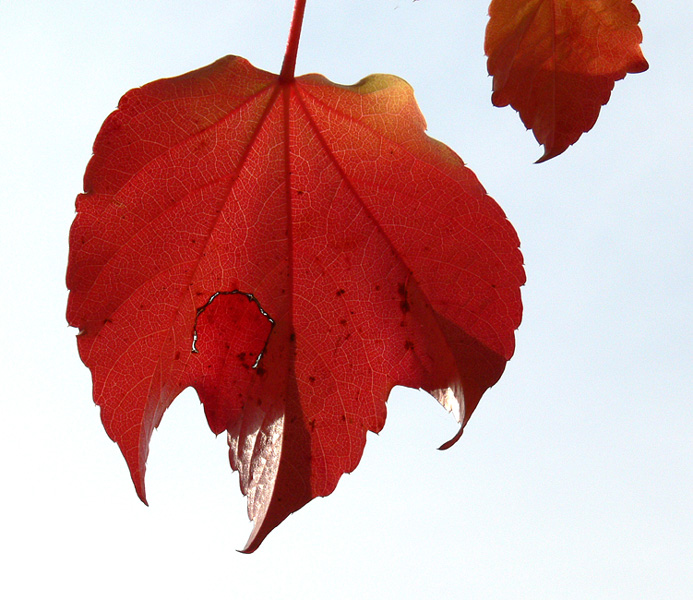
556	61
292	250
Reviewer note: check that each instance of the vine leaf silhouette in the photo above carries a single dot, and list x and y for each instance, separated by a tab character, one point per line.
292	249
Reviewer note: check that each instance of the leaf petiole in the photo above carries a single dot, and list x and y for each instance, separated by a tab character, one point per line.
289	65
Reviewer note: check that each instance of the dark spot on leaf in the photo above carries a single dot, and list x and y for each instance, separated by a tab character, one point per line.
342	322
404	303
340	292
409	345
311	379
177	355
292	337
260	371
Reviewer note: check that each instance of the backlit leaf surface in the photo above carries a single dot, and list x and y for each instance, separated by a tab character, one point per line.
292	250
556	61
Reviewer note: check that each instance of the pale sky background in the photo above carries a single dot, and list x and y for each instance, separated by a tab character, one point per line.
574	478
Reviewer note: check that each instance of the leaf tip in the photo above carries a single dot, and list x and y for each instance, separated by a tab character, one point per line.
451	442
256	538
640	66
138	480
548	155
551	150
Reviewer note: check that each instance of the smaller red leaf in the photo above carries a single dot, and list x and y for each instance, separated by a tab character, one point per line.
556	62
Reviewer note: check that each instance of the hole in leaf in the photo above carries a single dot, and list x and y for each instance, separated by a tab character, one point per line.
250	298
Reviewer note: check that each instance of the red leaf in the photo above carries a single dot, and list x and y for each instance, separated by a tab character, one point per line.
556	61
292	250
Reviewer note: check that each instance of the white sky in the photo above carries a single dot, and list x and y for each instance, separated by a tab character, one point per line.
574	478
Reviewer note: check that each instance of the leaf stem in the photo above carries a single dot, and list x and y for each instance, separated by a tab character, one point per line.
289	65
